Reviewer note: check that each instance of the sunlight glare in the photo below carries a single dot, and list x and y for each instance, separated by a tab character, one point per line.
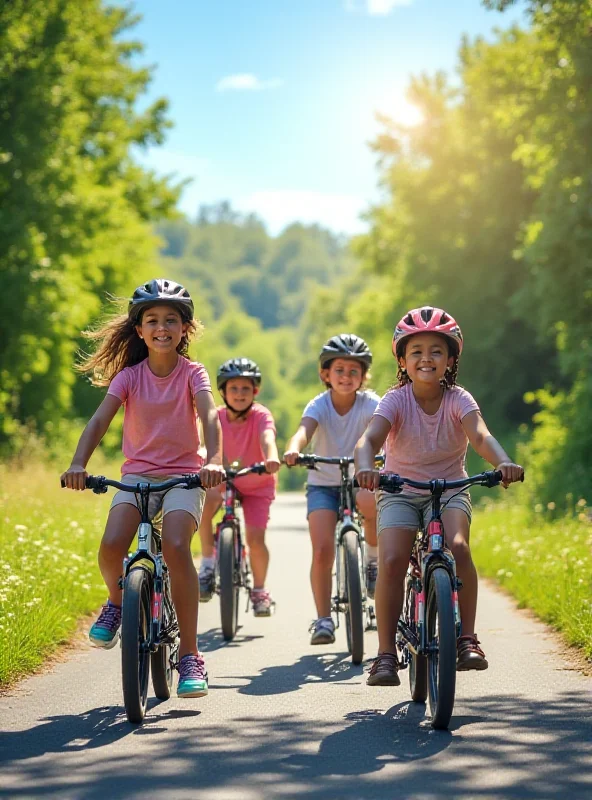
400	110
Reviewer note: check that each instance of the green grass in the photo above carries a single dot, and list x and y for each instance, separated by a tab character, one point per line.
49	575
545	563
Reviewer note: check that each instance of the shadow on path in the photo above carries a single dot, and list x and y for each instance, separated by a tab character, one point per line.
522	748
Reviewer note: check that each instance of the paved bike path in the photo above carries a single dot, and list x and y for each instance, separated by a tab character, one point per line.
287	720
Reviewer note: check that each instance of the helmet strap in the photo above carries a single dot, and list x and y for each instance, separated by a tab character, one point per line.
238	414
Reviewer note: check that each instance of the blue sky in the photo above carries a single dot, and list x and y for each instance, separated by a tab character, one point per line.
274	101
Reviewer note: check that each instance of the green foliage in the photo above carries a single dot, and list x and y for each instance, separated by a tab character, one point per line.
544	563
50	576
74	207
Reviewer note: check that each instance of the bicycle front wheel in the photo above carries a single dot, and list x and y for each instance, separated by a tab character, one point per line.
229	583
354	615
135	643
441	636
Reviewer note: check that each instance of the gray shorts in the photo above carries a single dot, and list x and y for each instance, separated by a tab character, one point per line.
410	510
176	499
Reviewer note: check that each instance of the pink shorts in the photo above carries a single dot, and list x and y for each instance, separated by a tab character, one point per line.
256	510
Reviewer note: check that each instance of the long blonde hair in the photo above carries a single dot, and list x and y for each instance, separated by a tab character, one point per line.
119	345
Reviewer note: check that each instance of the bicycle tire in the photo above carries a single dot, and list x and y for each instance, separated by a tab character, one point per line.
418	665
442	659
160	661
228	575
354	615
135	635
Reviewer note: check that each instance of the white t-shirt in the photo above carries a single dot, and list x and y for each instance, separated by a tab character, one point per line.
337	435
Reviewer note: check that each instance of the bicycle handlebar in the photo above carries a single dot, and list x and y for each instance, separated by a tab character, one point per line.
394	483
258	469
99	484
310	460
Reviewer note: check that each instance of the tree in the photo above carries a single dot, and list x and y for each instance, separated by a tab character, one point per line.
75	208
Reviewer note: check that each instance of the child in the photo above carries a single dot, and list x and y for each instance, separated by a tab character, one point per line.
336	418
248	433
427	421
142	358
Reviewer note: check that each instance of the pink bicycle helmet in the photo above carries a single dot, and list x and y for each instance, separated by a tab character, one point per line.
427	320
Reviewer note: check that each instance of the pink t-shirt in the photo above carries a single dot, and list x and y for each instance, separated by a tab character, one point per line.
160	434
242	443
424	446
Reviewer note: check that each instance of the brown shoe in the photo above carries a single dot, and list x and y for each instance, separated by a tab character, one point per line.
384	671
469	654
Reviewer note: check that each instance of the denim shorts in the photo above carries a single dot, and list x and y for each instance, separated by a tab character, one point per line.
411	510
322	498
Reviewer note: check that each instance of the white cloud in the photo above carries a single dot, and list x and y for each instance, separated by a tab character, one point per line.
246	82
375	7
278	208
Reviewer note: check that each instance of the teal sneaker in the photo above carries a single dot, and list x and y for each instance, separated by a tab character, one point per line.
105	632
193	678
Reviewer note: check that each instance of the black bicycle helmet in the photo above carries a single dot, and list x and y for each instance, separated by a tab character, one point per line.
161	290
238	368
346	345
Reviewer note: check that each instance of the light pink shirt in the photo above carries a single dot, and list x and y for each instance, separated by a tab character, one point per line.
424	446
160	434
242	443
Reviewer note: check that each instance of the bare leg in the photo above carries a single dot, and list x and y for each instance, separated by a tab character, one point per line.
177	531
394	549
258	554
321	524
366	503
122	524
212	503
456	525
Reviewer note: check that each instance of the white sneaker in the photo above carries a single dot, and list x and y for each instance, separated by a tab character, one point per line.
323	631
206	584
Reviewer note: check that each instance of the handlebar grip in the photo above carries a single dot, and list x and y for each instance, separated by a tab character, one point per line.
62	483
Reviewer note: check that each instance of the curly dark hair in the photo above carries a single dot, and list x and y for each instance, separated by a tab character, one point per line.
119	345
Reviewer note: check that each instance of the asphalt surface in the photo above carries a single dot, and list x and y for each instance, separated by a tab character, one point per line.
287	720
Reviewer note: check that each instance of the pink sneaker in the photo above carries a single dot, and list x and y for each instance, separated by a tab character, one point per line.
262	602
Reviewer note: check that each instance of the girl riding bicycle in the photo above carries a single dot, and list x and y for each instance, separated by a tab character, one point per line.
336	418
248	432
142	358
427	422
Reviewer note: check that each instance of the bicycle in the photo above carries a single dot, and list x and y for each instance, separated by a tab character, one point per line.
233	570
350	596
149	628
430	622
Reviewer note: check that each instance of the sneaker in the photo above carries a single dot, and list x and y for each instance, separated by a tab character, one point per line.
323	631
384	671
206	584
193	678
371	573
262	602
469	654
105	632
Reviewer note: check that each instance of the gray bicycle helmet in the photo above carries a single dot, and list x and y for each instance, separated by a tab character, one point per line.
238	368
346	345
161	290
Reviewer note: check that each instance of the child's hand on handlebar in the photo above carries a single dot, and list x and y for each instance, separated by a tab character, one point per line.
74	477
511	473
291	457
212	475
272	465
368	479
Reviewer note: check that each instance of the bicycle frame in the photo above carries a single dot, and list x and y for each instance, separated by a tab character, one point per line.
148	555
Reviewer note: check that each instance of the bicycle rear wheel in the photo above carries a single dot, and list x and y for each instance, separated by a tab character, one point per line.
229	584
354	615
161	661
441	636
135	645
418	668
